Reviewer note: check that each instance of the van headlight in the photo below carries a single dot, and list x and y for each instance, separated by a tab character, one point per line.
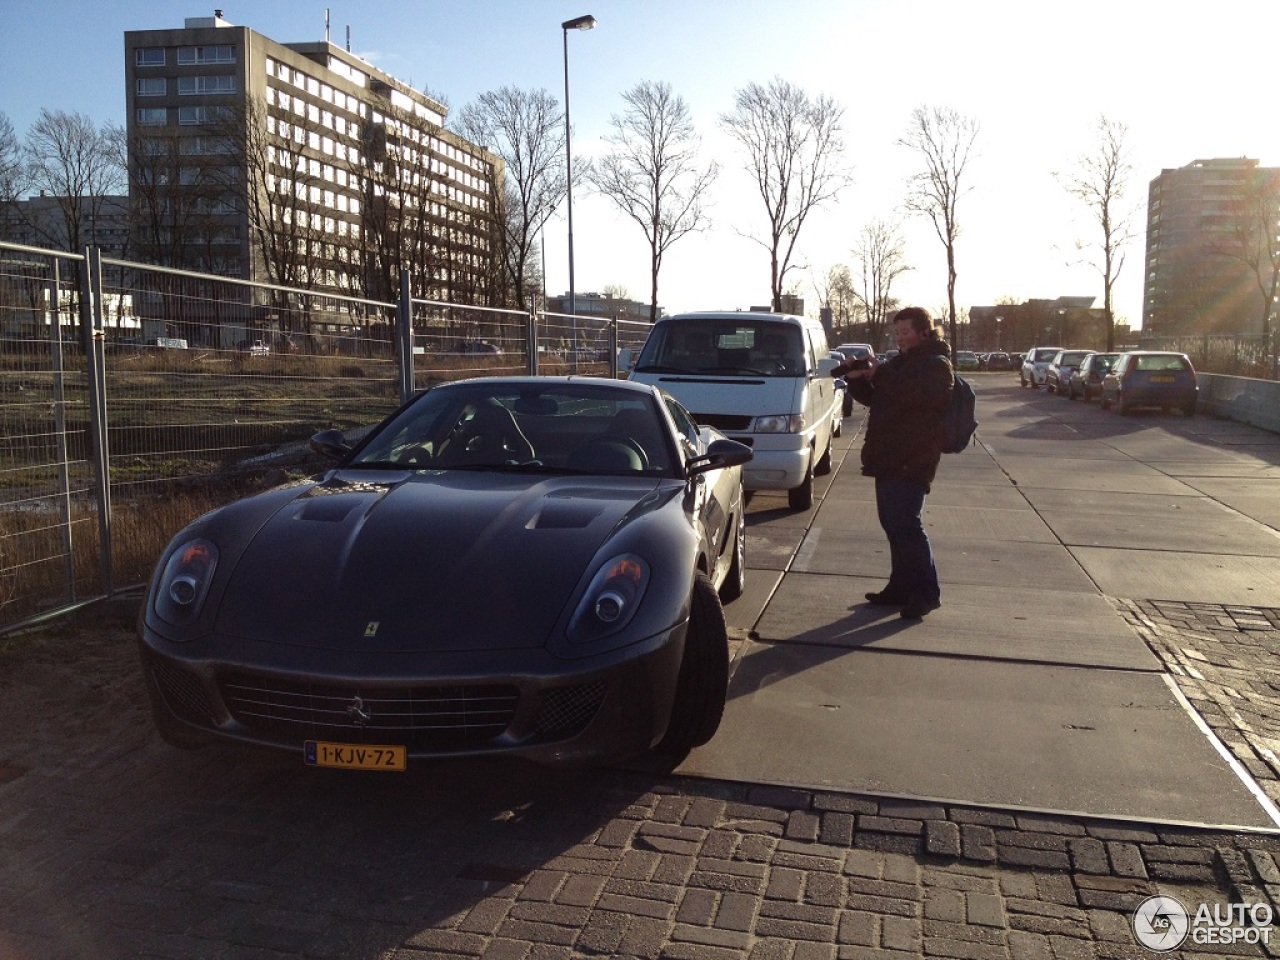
780	423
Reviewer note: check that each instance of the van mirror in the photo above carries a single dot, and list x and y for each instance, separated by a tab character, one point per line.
625	359
826	365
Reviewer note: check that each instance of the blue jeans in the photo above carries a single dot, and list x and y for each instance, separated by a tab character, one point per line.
900	506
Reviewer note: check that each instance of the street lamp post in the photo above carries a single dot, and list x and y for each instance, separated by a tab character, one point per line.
586	22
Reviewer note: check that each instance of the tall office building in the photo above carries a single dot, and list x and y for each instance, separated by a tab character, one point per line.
302	165
1212	226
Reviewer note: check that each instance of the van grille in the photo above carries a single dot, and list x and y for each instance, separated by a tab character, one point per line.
723	421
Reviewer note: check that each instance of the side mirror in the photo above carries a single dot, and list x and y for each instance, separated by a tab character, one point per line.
826	365
625	359
720	454
331	444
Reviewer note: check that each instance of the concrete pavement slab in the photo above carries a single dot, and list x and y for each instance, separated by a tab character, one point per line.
1214	529
1189	577
1011	564
1103	476
1263	508
1186	503
1055	738
944	493
974	621
1245	467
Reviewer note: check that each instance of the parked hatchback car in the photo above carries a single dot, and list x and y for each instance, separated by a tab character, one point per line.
1087	380
1150	378
966	360
1061	367
1035	365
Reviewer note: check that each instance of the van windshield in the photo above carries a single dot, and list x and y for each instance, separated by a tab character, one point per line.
723	347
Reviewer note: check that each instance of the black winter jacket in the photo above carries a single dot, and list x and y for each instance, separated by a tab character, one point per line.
907	397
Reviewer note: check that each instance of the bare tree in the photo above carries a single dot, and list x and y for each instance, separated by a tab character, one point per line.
944	140
617	291
173	193
836	293
652	174
1100	180
794	150
77	164
526	129
1251	239
11	175
880	261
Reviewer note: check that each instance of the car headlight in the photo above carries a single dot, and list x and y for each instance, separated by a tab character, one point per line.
185	582
780	423
611	599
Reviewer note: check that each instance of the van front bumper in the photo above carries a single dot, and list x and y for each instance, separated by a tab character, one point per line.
774	469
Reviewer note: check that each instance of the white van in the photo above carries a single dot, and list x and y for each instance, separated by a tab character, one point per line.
763	379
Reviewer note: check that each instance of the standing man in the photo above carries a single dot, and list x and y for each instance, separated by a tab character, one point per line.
907	397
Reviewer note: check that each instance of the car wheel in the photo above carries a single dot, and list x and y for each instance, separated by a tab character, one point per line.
1189	409
1022	381
848	404
823	466
1103	403
801	497
736	580
703	685
1122	406
837	428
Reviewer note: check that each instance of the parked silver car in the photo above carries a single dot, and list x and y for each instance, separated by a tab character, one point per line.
1035	365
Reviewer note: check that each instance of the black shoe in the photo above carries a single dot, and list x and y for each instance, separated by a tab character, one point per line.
886	599
916	609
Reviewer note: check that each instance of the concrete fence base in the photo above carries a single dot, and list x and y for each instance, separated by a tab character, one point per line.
1245	400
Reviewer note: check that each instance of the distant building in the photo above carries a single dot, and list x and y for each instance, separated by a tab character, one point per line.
602	306
42	221
302	165
1068	322
1198	275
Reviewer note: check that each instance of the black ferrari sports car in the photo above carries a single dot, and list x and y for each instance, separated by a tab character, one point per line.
530	566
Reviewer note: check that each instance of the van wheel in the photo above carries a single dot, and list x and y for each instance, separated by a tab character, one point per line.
1122	406
801	497
824	464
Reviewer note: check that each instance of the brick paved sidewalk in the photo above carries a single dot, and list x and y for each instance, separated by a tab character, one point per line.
113	845
1226	661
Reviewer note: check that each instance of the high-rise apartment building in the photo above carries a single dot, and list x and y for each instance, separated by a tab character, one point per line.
302	165
1212	230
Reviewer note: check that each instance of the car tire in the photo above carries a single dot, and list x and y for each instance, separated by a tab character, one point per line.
1103	403
823	466
801	497
1022	381
735	581
703	685
848	404
1189	409
1122	406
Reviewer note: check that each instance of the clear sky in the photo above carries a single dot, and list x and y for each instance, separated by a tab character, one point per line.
1190	81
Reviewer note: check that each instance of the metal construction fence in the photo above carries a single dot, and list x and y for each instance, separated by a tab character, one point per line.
1238	355
135	397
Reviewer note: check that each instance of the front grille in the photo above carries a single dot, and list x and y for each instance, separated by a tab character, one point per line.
723	421
566	711
183	693
421	717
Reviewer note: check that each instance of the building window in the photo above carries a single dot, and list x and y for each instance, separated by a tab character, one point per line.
215	54
193	115
200	85
151	87
152	116
149	56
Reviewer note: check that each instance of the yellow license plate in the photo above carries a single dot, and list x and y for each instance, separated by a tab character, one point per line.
353	756
1162	379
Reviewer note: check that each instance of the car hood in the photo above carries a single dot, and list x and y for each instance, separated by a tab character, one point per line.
412	562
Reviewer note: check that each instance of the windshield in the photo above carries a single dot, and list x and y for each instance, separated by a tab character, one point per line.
729	347
517	426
